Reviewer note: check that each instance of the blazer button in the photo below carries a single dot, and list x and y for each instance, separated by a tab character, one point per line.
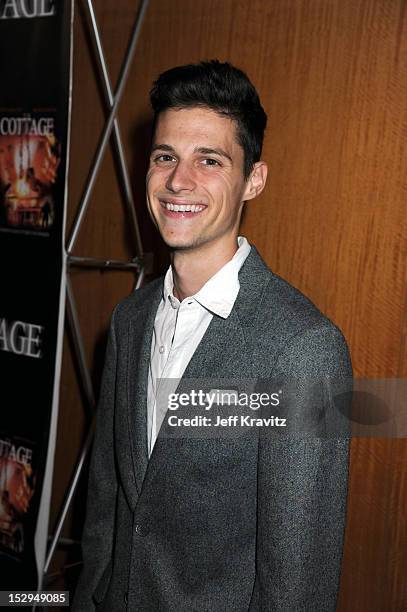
125	598
141	530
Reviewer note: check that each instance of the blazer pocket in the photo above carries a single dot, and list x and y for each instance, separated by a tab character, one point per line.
100	592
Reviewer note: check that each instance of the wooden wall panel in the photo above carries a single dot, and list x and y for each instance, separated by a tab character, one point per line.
332	75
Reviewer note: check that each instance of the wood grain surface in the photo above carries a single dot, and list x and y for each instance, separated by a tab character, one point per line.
332	76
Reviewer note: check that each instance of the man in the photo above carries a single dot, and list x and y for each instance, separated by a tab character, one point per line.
208	521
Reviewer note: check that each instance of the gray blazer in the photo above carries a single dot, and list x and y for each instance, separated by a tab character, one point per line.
250	524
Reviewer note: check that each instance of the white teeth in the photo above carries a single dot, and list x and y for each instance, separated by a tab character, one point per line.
183	207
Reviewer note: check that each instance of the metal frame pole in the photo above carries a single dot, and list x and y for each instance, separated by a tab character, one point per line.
108	126
137	264
79	348
69	496
116	130
87	385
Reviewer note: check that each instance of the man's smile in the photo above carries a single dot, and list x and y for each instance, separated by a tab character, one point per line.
179	209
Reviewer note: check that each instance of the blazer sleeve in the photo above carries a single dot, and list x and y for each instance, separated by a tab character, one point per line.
98	532
303	478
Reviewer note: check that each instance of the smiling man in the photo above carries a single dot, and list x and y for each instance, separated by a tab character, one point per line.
211	522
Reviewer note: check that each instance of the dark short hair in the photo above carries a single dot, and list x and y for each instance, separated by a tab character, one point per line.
222	88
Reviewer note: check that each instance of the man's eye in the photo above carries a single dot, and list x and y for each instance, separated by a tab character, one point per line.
164	158
210	162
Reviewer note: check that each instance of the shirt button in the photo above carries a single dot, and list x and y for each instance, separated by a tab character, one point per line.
161	349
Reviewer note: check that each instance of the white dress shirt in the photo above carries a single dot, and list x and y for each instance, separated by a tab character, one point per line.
180	326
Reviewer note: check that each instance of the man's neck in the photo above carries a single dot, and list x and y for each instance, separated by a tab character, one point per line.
191	269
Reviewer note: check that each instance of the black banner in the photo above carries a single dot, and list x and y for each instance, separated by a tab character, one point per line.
35	59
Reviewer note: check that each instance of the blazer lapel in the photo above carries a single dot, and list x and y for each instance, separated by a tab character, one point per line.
140	334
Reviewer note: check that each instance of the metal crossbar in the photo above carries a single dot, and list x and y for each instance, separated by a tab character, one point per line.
114	103
137	264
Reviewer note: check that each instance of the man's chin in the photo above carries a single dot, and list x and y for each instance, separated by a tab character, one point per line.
181	246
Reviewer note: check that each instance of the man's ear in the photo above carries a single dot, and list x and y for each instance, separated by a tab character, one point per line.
256	181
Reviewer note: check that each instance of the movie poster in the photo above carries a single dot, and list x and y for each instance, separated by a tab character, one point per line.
35	62
29	158
17	484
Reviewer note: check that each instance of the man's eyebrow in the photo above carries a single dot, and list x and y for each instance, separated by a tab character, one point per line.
217	151
203	150
162	147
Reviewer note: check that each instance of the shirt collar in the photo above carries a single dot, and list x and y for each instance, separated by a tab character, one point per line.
219	293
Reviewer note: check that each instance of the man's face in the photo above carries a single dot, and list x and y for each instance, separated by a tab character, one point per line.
195	184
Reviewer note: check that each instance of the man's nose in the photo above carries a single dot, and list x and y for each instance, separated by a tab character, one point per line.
181	177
